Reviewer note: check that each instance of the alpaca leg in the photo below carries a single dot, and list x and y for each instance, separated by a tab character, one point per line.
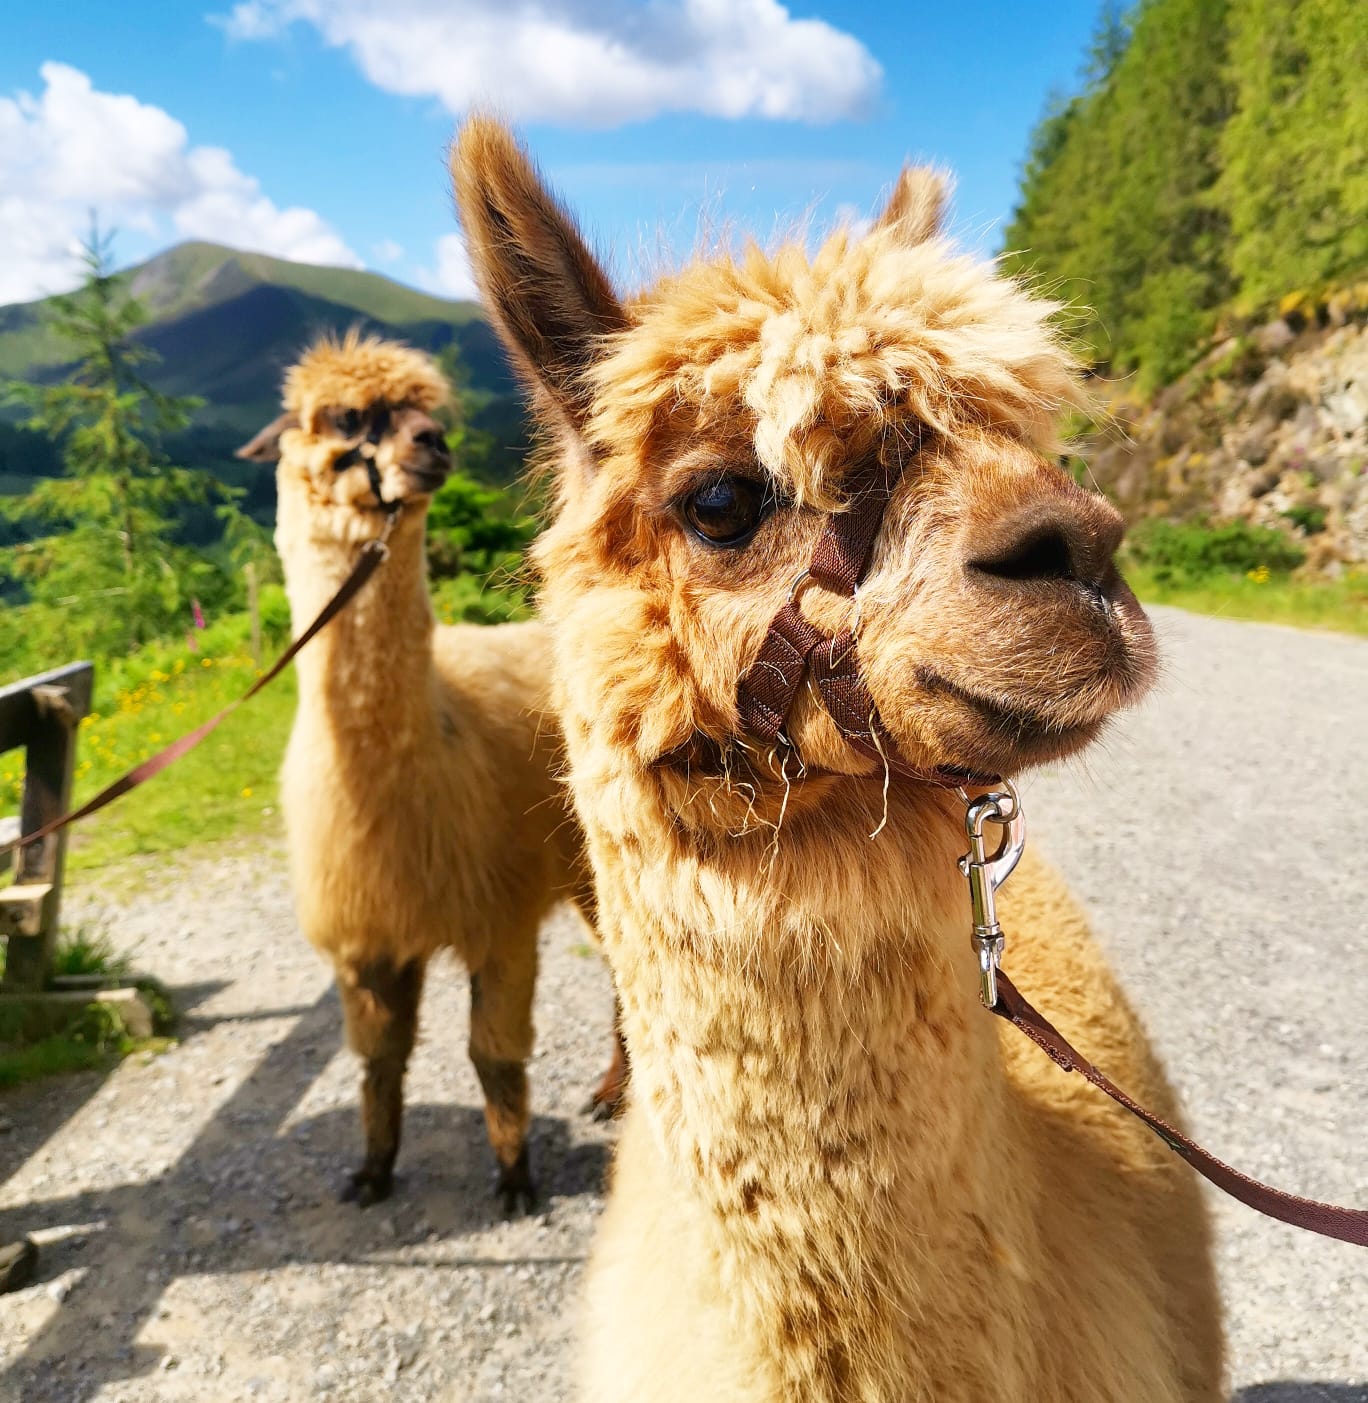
380	1006
500	1044
610	1095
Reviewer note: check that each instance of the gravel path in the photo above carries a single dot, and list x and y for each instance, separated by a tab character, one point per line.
193	1251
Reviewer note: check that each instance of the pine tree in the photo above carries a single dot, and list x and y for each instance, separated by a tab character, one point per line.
1295	150
107	571
1117	211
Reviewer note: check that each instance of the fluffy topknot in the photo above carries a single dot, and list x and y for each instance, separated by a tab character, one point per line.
357	371
833	352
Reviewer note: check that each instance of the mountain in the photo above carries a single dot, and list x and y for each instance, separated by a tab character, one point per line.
226	324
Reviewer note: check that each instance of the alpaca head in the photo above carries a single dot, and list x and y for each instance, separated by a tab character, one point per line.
357	434
708	428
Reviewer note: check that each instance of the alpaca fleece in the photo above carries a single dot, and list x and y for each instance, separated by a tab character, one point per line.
420	783
840	1179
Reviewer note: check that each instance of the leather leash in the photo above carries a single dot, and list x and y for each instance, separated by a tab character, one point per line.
999	995
1327	1219
372	556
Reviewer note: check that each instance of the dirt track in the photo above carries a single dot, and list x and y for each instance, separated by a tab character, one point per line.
193	1250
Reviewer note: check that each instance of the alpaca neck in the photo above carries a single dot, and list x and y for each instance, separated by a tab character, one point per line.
370	668
827	1087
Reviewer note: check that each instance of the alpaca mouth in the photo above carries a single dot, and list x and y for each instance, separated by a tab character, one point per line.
427	480
1015	723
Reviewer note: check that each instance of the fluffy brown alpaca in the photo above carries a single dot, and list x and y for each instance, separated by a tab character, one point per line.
419	784
835	1182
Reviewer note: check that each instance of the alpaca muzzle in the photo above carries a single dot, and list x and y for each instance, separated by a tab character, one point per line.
419	444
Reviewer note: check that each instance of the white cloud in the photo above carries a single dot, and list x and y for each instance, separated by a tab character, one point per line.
73	149
452	277
591	62
388	251
854	219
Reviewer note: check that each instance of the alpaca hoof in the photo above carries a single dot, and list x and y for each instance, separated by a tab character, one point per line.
607	1103
18	1263
609	1097
516	1189
367	1186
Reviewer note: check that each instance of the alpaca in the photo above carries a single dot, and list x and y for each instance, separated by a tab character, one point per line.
419	786
834	1180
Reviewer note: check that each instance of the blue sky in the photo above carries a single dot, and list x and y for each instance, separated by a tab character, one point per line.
316	128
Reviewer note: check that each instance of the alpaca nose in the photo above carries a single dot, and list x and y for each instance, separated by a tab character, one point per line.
428	434
1069	538
423	432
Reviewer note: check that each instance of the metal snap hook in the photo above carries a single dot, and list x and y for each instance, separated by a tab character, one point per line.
987	873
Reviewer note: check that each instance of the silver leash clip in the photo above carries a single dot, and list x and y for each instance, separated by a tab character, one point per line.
986	874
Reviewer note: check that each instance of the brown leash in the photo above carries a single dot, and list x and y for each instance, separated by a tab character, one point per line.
985	874
372	555
1346	1224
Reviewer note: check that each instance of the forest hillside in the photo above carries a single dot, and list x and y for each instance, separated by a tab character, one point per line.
1201	205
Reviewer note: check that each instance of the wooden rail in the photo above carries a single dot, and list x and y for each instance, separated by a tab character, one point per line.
40	714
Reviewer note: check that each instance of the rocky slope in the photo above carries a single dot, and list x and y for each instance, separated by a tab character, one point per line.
1269	427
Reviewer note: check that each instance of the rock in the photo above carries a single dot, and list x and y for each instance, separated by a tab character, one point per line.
1274	337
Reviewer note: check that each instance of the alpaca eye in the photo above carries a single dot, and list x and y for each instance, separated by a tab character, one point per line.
347	422
726	511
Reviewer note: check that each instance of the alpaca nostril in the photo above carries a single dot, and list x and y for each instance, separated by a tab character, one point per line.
1069	538
1043	552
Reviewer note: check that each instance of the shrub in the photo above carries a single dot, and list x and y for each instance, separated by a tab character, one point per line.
1311	519
1185	551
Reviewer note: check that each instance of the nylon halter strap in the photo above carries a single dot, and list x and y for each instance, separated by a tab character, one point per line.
794	649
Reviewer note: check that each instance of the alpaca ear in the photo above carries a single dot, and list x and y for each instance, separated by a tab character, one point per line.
548	298
265	446
916	209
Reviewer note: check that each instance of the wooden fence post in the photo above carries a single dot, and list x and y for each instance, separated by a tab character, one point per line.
41	714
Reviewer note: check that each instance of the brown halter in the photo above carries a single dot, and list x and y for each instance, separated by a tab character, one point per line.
794	649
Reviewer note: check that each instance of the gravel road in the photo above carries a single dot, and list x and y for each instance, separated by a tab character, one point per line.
193	1251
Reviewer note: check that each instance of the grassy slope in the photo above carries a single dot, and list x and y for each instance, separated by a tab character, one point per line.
1338	605
227	786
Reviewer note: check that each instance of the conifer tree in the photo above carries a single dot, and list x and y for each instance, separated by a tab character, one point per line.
103	563
1295	150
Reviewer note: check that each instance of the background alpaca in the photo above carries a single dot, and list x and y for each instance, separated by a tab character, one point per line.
834	1183
419	785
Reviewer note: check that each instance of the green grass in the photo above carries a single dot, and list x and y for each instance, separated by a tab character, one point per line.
1339	605
98	1037
225	787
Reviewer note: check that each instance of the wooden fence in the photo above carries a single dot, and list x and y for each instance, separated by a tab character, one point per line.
40	714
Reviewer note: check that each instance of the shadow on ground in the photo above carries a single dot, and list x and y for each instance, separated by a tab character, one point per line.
36	1111
249	1195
